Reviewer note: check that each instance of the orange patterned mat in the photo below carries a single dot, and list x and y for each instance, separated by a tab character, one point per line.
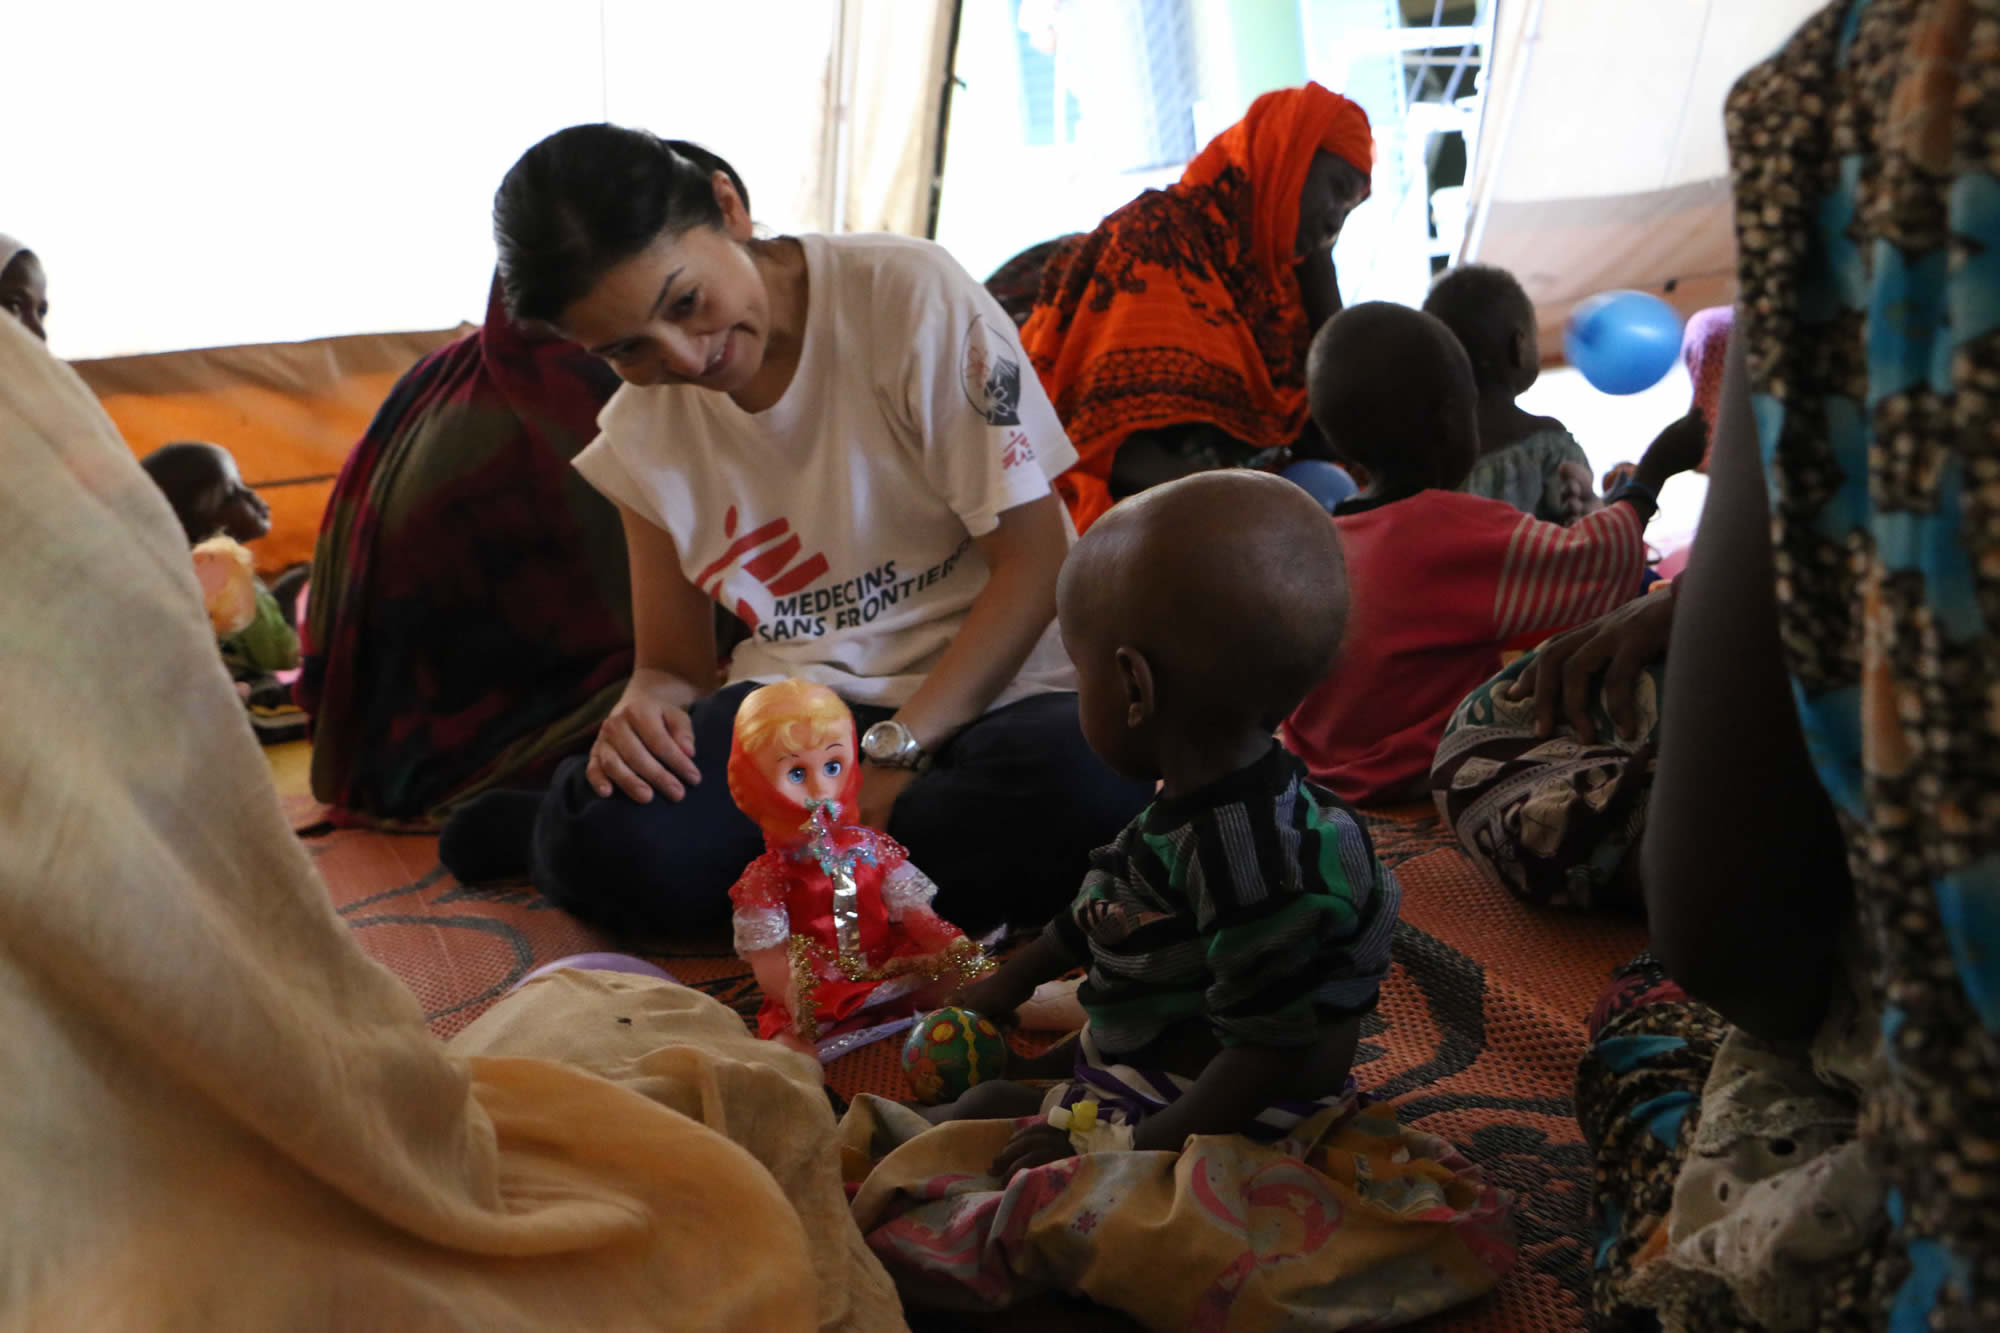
1477	1038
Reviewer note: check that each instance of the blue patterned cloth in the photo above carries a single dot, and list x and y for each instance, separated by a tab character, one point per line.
1866	163
1867	176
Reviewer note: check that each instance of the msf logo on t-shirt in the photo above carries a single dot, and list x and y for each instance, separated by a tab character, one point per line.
992	374
769	554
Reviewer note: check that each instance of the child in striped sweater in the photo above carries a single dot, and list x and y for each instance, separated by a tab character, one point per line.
1441	581
1237	931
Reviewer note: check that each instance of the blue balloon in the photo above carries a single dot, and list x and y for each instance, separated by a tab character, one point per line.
1623	342
1325	482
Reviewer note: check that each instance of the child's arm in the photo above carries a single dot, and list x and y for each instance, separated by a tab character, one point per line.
1237	1084
1243	1080
1060	948
998	995
1555	578
1747	914
1677	449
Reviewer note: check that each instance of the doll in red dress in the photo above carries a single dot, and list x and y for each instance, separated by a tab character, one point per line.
834	920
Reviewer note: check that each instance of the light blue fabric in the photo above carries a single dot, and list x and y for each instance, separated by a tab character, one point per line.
1524	474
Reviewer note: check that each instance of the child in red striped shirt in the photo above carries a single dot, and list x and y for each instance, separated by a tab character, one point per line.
1441	581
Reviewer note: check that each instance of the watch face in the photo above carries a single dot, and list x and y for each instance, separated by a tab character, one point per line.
884	740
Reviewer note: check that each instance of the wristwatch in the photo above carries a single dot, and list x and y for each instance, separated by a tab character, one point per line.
891	745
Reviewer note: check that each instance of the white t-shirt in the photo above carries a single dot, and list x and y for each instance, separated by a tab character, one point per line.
839	523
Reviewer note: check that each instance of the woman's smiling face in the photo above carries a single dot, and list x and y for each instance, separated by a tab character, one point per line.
690	308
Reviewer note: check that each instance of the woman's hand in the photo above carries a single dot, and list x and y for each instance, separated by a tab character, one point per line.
1033	1146
1621	645
647	744
880	786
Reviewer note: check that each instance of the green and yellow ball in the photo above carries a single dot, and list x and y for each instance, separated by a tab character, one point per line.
948	1051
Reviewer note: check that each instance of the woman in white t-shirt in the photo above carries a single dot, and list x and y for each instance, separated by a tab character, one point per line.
838	439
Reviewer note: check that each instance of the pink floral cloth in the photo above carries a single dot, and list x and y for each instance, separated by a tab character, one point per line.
1353	1221
1704	347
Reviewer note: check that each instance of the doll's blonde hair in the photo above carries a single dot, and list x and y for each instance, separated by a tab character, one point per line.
791	715
787	716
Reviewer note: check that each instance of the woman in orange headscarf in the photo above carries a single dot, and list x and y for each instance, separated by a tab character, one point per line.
1173	337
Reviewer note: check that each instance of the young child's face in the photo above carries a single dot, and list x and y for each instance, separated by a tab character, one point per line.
233	508
814	774
24	293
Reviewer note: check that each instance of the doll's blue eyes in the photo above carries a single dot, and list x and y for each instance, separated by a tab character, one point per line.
797	774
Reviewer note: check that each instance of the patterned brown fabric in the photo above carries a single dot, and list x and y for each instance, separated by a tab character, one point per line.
1867	177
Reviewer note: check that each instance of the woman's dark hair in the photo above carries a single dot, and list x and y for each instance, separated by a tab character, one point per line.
586	199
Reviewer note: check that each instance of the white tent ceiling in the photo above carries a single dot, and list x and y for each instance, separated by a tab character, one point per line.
236	171
1601	161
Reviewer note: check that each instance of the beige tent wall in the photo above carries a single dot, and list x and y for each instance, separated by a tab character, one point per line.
1601	160
895	65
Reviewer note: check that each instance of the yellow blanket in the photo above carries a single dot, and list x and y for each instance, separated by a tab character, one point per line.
219	1114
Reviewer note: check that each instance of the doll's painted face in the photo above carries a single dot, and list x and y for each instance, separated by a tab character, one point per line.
815	774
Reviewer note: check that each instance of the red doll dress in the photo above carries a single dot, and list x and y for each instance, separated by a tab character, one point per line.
785	897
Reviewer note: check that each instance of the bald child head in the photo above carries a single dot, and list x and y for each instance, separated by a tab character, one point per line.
1221	597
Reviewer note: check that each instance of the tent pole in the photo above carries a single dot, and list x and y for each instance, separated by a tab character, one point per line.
846	35
944	121
1531	36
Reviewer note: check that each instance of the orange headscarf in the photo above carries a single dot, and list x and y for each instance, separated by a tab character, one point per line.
1182	306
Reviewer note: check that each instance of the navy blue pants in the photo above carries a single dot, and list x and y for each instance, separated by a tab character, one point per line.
1004	822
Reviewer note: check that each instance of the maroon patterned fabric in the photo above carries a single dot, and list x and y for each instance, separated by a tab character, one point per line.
470	616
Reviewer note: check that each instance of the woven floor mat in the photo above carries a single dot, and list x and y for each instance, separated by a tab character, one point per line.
1477	1037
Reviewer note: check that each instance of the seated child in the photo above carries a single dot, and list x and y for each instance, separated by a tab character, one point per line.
1529	461
1239	928
209	498
1441	581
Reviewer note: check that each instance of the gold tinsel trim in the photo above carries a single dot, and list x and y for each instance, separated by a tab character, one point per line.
960	958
